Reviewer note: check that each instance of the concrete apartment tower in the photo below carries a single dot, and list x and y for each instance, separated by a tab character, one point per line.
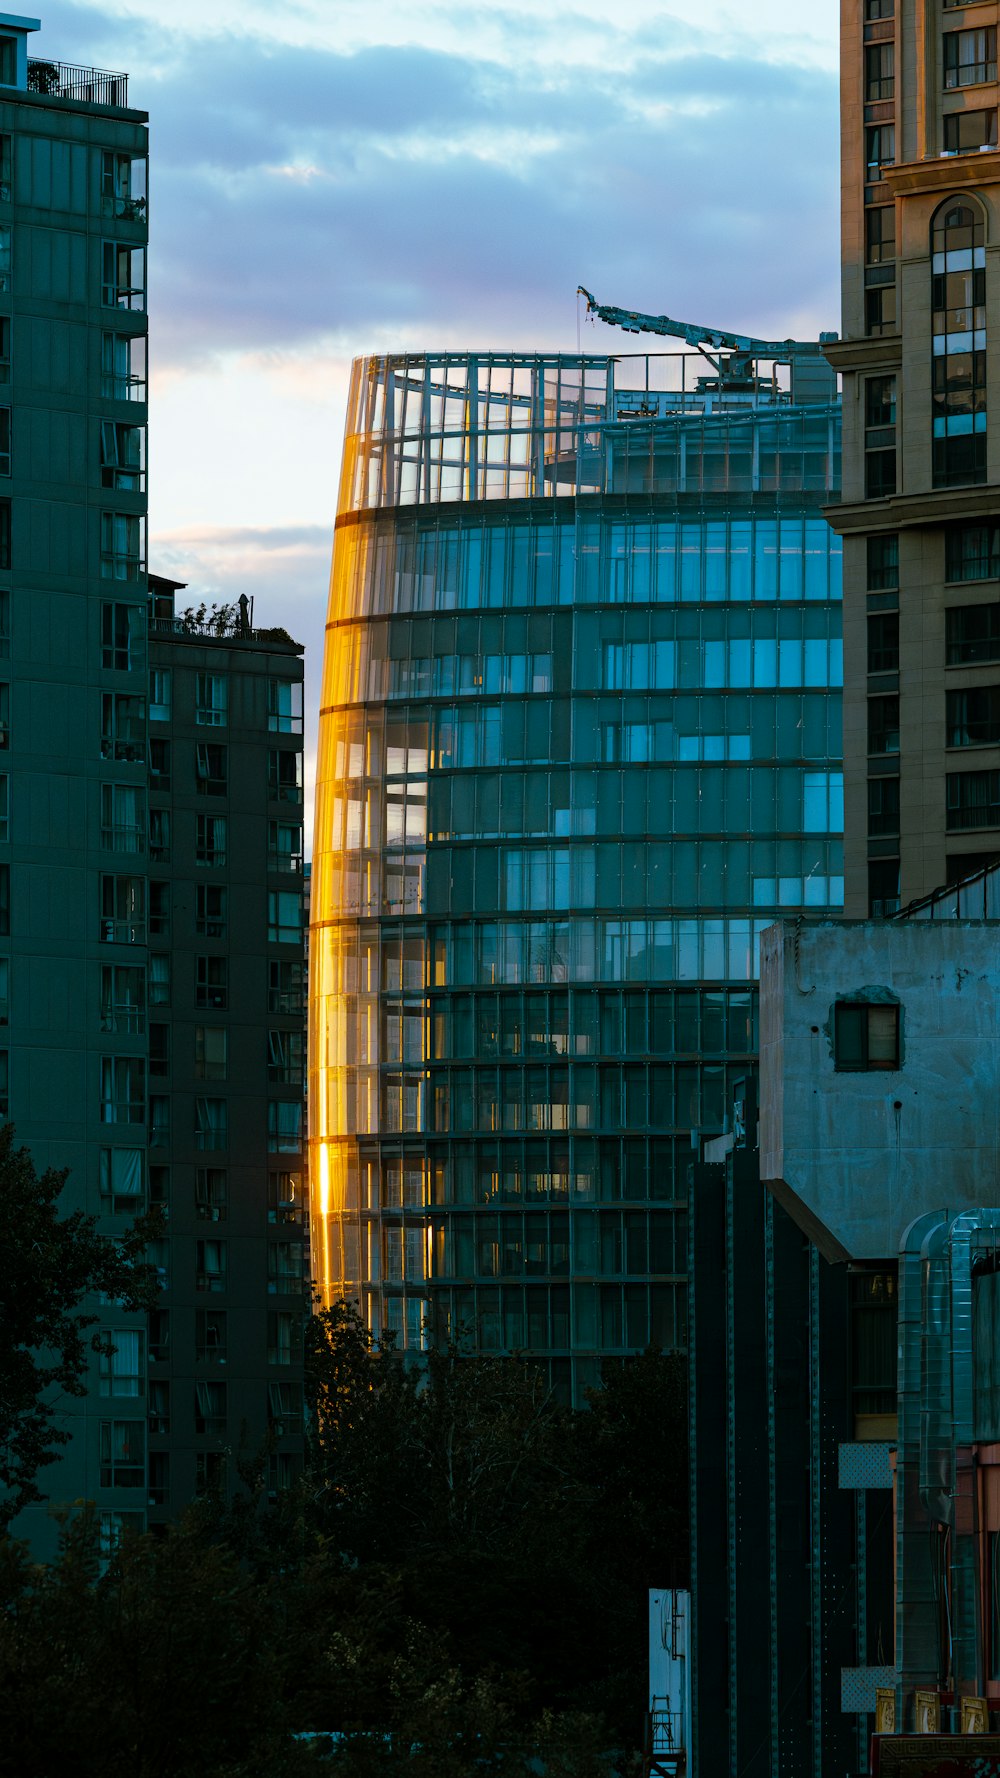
921	513
151	1004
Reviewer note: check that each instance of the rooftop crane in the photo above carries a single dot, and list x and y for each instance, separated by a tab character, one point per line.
779	351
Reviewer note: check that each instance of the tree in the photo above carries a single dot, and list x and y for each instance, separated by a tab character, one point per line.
161	1659
49	1265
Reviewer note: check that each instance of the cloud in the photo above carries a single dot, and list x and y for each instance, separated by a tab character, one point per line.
404	193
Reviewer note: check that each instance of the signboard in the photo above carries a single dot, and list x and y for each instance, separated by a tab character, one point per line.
936	1756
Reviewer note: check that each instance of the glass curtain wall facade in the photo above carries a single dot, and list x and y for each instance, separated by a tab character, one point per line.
580	743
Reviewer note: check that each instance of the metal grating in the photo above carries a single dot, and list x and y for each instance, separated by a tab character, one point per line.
864	1464
858	1686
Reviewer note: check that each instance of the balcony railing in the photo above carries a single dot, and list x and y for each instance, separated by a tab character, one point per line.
61	80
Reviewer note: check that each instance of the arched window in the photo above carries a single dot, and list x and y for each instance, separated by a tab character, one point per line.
958	328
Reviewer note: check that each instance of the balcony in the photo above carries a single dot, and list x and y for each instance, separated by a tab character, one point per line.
61	80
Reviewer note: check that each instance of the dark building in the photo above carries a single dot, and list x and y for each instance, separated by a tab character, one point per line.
151	938
226	1042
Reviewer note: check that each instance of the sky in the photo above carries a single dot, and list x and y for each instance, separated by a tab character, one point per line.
332	177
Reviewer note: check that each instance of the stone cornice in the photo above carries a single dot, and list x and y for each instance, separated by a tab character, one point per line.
868	354
939	506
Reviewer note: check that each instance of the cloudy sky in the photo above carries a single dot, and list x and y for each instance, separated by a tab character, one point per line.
330	177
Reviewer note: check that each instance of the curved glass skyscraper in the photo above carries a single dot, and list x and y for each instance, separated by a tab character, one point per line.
580	741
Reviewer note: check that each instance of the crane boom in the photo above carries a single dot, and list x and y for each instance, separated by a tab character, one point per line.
781	351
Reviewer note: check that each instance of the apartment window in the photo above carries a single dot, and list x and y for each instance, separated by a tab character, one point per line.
211	1265
120	1181
883	725
159	979
284	846
210	1474
123	185
972	552
284	706
158	1329
210	1052
123	552
972	635
285	1057
123	910
966	132
866	1036
211	1128
883	805
123	456
123	727
123	1453
121	1367
284	775
8	61
210	914
883	642
285	992
211	700
880	148
958	322
211	1335
123	998
159	909
284	1267
159	1116
159	1187
284	1337
4	807
123	635
4	440
114	1527
123	276
210	1408
880	305
879	9
284	1126
880	71
973	800
158	1417
284	1197
973	716
159	1478
211	769
123	818
970	57
123	367
6	277
4	622
880	437
210	839
284	917
123	1090
159	835
212	1193
211	983
159	1049
161	688
284	1408
159	766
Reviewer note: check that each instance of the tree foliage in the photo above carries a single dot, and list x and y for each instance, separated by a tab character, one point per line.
458	1586
50	1264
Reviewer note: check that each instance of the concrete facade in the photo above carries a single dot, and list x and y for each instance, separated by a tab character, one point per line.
856	1156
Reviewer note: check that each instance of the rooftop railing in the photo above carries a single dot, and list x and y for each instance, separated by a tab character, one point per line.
61	80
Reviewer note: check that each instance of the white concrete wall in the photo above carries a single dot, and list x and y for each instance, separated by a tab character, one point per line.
855	1157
